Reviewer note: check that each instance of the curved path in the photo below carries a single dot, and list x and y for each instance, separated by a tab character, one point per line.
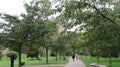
76	63
71	63
48	65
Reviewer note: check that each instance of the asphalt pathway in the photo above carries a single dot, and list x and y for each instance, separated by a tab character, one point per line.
48	65
76	63
71	63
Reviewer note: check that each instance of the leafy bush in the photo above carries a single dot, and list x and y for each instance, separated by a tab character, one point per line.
12	53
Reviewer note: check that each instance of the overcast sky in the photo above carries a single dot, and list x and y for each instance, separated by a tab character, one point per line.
14	7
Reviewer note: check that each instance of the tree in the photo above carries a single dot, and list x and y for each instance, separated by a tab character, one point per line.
31	28
99	20
59	47
69	43
48	38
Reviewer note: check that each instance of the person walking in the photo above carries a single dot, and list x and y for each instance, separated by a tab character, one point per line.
73	57
76	56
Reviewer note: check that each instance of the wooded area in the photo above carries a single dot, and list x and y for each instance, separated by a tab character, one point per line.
97	35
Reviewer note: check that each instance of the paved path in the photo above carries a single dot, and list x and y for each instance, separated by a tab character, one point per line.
48	65
71	63
76	63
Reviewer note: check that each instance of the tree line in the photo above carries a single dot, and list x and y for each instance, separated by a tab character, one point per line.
98	33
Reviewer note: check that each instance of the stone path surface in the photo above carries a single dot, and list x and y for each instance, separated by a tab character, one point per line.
71	63
76	63
48	65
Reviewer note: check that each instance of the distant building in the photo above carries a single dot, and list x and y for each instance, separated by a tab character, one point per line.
4	51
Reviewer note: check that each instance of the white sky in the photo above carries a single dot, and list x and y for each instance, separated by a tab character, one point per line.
14	7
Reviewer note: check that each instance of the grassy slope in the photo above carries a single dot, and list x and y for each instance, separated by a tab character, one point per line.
103	61
5	62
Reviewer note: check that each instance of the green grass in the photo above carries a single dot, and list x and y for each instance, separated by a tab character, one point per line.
5	62
103	61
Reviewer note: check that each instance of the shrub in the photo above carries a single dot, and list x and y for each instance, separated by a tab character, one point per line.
12	53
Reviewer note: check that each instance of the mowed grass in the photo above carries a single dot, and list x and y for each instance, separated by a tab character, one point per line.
5	62
102	61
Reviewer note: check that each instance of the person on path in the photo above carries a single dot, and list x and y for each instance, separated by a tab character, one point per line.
76	56
73	57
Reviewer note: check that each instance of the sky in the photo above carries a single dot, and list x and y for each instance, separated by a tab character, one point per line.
13	7
16	7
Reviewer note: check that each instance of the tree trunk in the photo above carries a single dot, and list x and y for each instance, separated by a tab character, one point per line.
97	54
110	59
56	56
46	55
19	56
90	53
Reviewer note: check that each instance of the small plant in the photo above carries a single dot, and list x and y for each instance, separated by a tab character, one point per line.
12	53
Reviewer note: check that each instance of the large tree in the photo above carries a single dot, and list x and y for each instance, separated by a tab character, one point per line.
30	28
99	20
48	38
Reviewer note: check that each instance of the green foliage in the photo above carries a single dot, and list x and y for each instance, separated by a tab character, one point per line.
99	19
12	53
31	28
114	52
32	51
68	43
100	24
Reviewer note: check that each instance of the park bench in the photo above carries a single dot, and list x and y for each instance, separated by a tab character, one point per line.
96	65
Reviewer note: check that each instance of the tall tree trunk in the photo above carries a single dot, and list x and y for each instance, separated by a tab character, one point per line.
21	44
56	56
110	59
46	55
97	54
90	53
19	56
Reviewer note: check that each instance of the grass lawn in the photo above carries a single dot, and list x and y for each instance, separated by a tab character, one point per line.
103	61
5	62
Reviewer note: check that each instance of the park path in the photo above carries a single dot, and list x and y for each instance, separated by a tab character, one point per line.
48	65
76	63
71	63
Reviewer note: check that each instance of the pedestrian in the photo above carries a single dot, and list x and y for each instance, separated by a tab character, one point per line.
39	56
73	57
76	56
64	57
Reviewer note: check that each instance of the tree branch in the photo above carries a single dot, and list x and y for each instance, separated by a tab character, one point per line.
104	15
94	7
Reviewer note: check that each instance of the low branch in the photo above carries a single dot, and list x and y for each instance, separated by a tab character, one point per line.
109	19
104	15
